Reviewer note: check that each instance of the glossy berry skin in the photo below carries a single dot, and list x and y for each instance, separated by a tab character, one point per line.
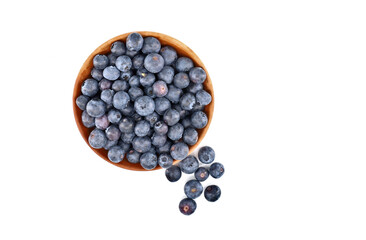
184	64
189	164
133	156
165	148
81	102
212	193
154	62
104	84
121	99
89	87
120	85
165	160
203	97
171	117
134	42
112	59
118	48
126	75
187	206
144	105
175	132
151	45
107	96
102	122
97	74
201	174
113	133
190	136
142	128
158	140
100	61
138	61
160	89
169	54
166	74
148	161
96	108
161	128
97	139
141	144
217	170
135	92
147	80
124	63
110	144
126	125
174	94
152	118
161	105
186	122
116	154
111	73
193	189
187	101
179	151
114	116
199	119
173	173
194	87
87	120
206	155
128	137
197	75
181	80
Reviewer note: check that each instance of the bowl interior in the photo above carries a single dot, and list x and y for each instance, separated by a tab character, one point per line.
84	73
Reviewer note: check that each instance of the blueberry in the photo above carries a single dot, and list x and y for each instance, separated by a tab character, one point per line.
154	62
149	92
126	75
134	42
142	128
128	110
151	45
107	96
171	117
133	156
112	59
134	81
194	87
190	136
169	54
116	154
160	89
100	61
193	189
181	80
199	119
179	150
118	48
126	125
184	64
173	173
135	92
217	170
165	148
165	161
152	118
212	193
104	84
113	133
142	72
161	105
144	105
120	100
111	73
128	137
97	139
206	155
138	61
89	87
174	94
123	63
110	144
136	117
120	85
125	146
198	107
97	74
186	122
87	120
201	174
197	75
161	128
148	160
182	113
175	132
189	164
147	79
102	122
81	102
158	140
203	97
187	101
96	108
131	54
187	206
114	116
141	144
166	74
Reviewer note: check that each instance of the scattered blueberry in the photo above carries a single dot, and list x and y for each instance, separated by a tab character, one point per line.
217	170
193	189
201	174
206	155
173	173
187	206
212	193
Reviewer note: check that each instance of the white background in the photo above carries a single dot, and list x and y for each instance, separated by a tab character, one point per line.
289	122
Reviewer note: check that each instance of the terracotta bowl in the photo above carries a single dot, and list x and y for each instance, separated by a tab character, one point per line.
84	73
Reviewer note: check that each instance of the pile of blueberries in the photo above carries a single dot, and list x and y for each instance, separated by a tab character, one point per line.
144	102
193	188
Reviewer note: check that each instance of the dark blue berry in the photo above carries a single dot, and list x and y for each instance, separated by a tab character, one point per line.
161	128
203	97
152	118
165	148
111	73
134	42
194	87
138	61
201	174
186	122
158	140
149	92
120	85
184	64
104	84
113	133
96	108
206	155
112	59
126	75
131	54
118	48
165	160
126	125
128	110
154	62
97	139
128	137
190	136
148	160
174	94
161	105
89	87
120	100
116	154
175	132
97	74
147	80
193	189
169	54
81	102
114	116
124	63
134	81
160	89
187	206
199	119
197	75
141	144
181	80
135	92
151	45
144	105
182	113
173	173
102	122
133	156
212	193
217	170
100	61
107	96
189	164
125	146
171	117
110	144
179	151
87	120
166	74
187	101
142	128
